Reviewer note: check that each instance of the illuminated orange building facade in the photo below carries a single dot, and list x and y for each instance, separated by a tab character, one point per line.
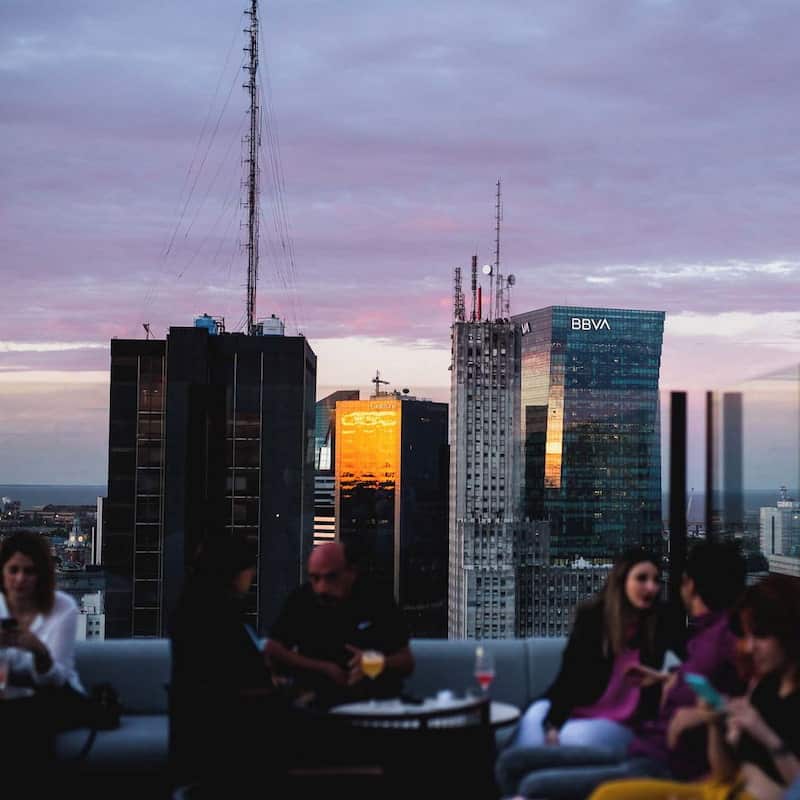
391	500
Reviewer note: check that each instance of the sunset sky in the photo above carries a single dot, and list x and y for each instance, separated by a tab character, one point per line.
649	152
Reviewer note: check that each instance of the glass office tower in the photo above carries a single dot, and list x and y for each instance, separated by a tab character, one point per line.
590	428
324	463
391	500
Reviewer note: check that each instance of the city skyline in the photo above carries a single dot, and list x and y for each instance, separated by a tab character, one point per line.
626	183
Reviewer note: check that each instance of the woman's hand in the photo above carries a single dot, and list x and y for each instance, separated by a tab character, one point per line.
685	719
743	717
25	640
645	676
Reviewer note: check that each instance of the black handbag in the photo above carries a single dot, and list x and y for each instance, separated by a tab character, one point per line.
101	710
103	707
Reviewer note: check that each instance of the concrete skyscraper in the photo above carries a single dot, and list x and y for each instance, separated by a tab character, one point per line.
210	433
485	488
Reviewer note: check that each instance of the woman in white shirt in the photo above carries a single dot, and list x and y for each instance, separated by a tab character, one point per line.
40	642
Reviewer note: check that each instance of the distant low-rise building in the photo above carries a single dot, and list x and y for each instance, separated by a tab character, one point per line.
780	535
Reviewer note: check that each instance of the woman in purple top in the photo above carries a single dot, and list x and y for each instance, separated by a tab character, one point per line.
592	701
712	581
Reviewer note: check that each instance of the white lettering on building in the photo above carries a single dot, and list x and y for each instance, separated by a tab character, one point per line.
588	324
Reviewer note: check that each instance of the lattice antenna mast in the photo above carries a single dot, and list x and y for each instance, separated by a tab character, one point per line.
253	142
458	297
474	286
498	216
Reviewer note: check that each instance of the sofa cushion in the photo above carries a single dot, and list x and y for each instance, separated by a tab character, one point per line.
140	743
137	668
449	664
544	661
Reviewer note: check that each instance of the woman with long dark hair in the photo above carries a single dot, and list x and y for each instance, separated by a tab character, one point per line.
37	646
754	740
220	688
42	623
594	701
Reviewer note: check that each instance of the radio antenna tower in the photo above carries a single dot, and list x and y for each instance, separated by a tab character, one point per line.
474	286
458	297
253	142
499	307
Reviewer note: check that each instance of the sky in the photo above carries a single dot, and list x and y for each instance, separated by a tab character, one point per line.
649	152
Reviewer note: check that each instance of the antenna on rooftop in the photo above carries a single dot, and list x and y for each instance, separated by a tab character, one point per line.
510	281
253	141
474	315
458	297
146	326
498	216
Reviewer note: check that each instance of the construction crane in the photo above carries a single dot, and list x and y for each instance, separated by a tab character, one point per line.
377	381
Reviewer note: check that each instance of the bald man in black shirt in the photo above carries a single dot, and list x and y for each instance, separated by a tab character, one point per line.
327	624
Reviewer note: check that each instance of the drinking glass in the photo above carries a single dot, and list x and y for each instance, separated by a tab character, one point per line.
372	663
3	670
484	668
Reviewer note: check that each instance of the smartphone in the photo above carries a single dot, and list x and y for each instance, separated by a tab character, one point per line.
9	624
703	689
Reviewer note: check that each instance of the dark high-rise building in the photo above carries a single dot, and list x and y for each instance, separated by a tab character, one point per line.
324	463
209	434
392	497
590	428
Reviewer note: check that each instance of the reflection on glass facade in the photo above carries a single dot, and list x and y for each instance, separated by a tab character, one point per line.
590	428
391	489
368	478
324	462
208	435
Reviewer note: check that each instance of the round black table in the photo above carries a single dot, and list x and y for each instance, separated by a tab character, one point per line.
432	712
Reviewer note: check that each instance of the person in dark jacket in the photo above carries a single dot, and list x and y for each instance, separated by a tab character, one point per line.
712	581
591	701
753	742
221	692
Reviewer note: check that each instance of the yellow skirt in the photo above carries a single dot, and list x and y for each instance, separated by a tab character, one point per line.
649	789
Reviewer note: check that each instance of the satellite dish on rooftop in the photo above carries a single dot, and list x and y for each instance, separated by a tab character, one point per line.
487	269
511	280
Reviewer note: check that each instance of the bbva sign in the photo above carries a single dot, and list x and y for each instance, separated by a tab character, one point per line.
588	324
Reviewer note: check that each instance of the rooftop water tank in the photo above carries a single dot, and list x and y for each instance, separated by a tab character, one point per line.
270	326
209	323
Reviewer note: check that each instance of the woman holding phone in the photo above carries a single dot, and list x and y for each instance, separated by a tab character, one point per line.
39	624
753	740
37	638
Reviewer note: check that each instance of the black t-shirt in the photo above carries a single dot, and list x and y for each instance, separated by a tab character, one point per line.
782	715
367	620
